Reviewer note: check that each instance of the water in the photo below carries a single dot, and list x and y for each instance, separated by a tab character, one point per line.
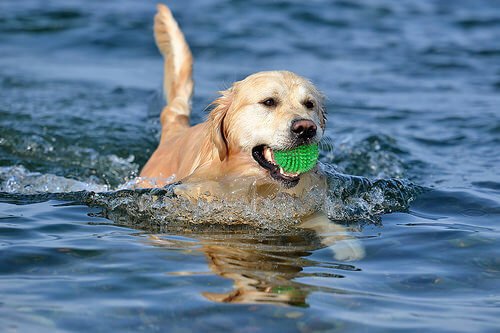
412	150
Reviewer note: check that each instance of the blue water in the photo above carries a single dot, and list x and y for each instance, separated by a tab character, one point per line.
413	93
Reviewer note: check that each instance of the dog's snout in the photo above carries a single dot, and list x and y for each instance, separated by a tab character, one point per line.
304	129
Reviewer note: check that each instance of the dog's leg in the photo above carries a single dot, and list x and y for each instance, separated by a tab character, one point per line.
178	68
334	236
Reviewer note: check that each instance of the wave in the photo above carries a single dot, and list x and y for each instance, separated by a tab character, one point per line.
347	199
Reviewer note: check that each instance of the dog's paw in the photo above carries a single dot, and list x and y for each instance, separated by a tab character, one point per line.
335	237
347	250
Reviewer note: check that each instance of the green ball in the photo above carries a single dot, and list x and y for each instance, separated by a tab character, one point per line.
297	160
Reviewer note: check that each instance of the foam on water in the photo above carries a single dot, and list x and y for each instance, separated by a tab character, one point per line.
18	179
347	198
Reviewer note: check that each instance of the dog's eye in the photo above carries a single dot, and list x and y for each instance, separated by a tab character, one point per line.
269	102
309	104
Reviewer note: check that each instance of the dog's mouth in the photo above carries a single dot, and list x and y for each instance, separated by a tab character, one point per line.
265	157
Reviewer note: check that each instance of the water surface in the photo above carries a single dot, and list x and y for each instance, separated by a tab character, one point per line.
413	93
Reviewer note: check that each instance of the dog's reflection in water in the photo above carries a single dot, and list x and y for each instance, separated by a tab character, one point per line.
264	267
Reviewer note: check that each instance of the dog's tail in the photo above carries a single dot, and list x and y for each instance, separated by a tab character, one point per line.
178	68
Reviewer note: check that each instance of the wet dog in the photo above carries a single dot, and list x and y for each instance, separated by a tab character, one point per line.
231	153
266	111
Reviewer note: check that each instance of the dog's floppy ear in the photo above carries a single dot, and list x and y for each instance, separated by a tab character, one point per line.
216	118
323	117
322	109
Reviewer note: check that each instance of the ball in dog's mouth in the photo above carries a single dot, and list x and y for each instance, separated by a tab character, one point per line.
264	155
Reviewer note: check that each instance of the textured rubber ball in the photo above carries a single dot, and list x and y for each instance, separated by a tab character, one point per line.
297	160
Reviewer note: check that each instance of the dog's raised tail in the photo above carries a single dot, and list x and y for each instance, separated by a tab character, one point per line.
178	68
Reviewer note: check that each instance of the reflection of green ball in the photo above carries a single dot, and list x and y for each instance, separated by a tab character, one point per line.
297	160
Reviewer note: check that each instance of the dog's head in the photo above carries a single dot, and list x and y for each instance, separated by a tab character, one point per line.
268	111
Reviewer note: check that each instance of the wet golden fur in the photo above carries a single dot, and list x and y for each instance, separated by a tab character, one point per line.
215	157
220	148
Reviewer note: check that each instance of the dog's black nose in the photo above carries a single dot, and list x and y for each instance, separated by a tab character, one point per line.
305	129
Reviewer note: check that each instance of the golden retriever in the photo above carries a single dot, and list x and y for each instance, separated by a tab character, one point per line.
231	153
266	111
